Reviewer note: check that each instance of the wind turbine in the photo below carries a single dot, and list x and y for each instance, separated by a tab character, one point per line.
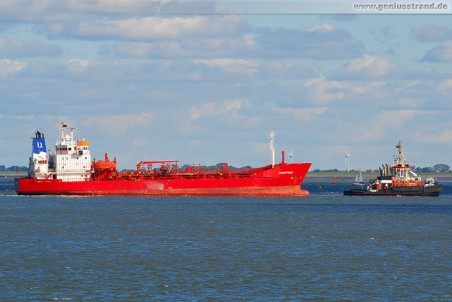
347	159
291	156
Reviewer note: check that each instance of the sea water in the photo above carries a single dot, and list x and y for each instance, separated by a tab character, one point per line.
326	247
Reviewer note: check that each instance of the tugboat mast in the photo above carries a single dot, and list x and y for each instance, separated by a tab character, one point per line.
401	160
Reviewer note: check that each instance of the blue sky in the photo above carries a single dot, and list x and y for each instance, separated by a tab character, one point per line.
194	81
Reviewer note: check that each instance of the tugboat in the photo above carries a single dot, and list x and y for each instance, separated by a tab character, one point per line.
398	180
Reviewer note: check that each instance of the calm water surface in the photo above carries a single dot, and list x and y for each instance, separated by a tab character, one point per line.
322	248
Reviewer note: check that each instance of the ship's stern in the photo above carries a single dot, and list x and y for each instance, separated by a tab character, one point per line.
17	185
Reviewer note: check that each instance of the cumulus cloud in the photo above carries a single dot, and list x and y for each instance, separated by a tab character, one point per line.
445	86
227	114
77	66
114	6
162	7
432	33
324	91
189	47
355	94
117	125
208	35
168	49
303	114
10	47
441	53
321	42
321	27
8	67
369	66
231	65
323	75
435	135
385	122
56	10
228	109
148	28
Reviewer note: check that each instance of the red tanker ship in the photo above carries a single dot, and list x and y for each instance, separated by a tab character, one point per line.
69	171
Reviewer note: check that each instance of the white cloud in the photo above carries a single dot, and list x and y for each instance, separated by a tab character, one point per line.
11	47
8	67
229	109
321	27
304	114
282	72
111	6
140	28
442	53
249	40
445	86
386	123
77	66
228	114
432	33
323	91
149	49
117	125
149	28
240	66
56	10
204	110
369	65
435	135
319	42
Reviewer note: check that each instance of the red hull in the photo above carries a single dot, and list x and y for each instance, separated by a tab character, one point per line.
282	180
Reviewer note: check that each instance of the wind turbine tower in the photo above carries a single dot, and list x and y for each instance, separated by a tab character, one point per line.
347	160
291	156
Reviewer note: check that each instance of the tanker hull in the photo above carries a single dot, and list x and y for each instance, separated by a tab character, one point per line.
284	180
69	171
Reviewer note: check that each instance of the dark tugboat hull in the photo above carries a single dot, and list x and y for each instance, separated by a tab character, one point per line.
430	191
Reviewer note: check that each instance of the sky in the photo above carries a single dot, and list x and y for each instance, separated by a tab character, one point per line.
205	82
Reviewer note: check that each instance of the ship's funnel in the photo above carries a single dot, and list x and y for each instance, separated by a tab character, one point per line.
39	146
38	166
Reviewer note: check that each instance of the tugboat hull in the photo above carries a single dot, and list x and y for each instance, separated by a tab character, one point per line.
429	191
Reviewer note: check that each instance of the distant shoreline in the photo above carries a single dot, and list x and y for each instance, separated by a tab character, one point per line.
352	174
12	174
329	174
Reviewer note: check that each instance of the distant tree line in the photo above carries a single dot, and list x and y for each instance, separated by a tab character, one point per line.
438	168
3	168
219	166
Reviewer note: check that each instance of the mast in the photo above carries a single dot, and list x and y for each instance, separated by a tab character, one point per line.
272	146
401	160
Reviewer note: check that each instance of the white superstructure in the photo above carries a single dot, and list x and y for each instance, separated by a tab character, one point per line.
71	160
